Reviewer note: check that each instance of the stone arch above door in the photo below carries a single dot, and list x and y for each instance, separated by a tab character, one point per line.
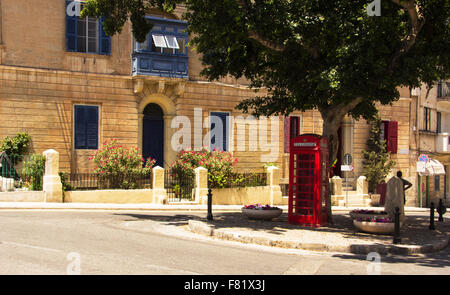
166	104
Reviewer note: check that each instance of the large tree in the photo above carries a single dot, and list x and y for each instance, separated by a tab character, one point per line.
308	54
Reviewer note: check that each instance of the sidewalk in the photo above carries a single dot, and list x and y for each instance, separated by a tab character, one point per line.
341	237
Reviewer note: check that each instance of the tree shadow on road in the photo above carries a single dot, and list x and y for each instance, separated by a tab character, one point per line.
437	259
414	232
175	220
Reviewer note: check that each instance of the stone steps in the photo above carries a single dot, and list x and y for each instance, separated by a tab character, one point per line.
351	199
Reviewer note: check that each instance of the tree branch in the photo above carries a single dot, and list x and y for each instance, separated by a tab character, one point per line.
341	109
414	29
268	43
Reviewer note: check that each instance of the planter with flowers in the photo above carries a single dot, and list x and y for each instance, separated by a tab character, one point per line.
261	212
364	214
376	225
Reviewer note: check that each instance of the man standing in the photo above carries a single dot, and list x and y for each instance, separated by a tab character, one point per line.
406	185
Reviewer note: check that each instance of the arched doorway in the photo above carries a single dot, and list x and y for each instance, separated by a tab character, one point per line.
153	133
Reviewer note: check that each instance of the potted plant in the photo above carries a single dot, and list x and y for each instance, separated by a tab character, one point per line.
261	212
376	225
377	163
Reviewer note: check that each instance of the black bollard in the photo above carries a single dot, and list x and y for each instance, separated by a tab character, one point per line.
441	210
397	238
210	216
432	217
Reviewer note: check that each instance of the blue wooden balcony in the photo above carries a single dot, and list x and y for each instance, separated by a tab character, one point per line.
156	64
164	52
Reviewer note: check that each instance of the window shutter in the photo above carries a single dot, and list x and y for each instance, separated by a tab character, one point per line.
92	127
80	127
295	126
291	130
86	127
225	131
287	133
217	144
71	30
392	137
105	41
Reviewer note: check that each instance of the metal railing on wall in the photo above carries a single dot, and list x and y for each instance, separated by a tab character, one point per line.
236	180
95	181
179	186
21	172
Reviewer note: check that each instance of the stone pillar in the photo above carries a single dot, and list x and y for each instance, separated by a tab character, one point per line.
201	185
273	181
362	186
336	182
52	185
159	192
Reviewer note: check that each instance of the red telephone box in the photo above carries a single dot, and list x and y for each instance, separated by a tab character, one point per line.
308	180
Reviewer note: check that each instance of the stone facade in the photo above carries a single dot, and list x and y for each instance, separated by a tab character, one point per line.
40	82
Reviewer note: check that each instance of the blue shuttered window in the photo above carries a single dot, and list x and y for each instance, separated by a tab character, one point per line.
86	127
79	35
71	31
219	131
105	41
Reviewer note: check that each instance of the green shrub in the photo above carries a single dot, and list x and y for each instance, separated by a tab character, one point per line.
377	163
65	184
33	172
16	146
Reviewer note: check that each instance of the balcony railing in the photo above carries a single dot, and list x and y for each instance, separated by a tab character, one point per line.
443	90
155	64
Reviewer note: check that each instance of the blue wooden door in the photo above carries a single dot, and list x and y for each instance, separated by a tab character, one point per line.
153	136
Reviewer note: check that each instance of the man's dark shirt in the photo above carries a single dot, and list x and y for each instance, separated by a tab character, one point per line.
406	185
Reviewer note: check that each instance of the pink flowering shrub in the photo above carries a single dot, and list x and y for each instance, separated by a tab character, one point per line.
260	207
119	166
220	165
376	219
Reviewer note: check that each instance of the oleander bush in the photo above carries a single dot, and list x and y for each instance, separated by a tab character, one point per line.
220	165
120	167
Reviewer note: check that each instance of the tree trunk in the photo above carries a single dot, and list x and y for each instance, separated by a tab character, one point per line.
331	124
330	130
332	118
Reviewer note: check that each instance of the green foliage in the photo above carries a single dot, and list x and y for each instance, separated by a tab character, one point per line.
33	172
16	146
119	166
219	164
65	184
376	164
308	54
269	164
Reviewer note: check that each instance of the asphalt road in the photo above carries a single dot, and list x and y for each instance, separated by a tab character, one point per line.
135	242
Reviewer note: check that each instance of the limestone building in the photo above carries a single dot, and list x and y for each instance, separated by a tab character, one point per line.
71	87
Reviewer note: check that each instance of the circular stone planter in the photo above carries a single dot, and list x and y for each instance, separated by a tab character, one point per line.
374	227
262	214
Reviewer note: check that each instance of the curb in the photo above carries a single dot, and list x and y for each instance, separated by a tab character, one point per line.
157	207
110	206
204	228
